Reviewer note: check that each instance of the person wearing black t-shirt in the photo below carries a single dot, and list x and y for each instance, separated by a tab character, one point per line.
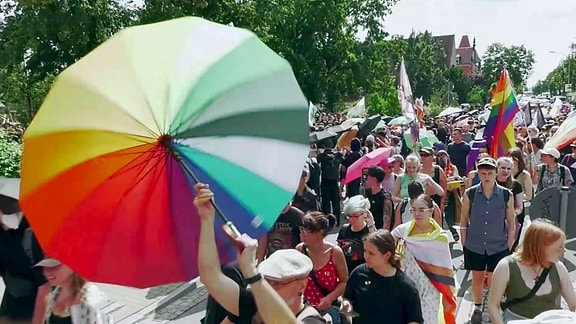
378	291
353	187
26	287
285	234
305	198
381	205
351	236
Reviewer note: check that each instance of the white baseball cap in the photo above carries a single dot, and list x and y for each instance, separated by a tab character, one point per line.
551	151
286	264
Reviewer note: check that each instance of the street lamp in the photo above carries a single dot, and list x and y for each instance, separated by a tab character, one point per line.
569	58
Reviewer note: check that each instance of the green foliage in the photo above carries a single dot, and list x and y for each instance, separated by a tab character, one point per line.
478	95
424	59
518	60
434	109
556	80
10	153
40	38
461	84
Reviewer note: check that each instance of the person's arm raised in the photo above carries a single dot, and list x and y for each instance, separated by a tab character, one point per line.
223	289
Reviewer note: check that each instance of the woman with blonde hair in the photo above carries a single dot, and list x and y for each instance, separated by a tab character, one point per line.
533	278
73	300
427	261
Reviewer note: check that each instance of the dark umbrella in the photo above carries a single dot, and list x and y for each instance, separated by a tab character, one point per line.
346	125
321	135
368	125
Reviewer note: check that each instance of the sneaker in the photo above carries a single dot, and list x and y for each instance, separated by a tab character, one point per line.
476	317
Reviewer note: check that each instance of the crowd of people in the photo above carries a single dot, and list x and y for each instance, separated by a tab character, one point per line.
392	258
391	261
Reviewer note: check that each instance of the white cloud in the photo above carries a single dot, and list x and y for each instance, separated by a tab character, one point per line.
540	25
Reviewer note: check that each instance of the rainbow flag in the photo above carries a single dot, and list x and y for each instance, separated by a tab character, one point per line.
499	131
431	251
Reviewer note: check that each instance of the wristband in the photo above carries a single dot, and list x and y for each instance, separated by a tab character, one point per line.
253	280
463	227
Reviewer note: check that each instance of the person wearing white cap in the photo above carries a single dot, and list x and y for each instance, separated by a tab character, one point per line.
550	173
276	285
73	300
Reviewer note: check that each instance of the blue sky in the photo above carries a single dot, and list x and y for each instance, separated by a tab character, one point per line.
540	25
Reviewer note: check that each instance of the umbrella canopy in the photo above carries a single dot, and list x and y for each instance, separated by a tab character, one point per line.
111	158
371	159
427	137
345	139
346	125
399	121
381	125
450	111
368	125
321	135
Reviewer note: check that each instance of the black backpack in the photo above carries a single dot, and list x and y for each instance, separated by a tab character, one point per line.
330	166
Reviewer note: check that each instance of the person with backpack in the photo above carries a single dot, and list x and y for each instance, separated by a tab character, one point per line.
550	173
330	175
487	229
24	299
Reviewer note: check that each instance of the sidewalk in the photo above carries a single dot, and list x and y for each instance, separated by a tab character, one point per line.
161	304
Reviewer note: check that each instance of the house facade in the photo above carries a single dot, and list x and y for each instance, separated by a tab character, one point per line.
467	57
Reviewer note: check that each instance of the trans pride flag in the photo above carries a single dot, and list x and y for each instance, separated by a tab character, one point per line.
499	131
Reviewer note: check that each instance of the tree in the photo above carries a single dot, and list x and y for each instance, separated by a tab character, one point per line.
424	59
318	38
41	38
461	84
518	60
10	152
478	95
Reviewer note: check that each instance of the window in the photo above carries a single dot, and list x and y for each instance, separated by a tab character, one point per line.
457	58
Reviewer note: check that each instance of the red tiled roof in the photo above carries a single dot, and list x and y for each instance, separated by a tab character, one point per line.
464	42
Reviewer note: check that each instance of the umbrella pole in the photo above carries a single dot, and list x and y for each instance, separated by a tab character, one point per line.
229	229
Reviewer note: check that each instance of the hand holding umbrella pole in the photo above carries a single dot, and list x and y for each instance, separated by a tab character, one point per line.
228	228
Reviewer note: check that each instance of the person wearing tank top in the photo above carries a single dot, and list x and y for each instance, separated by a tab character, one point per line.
413	173
516	275
438	175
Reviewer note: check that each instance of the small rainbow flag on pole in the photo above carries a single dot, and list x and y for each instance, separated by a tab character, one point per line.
499	131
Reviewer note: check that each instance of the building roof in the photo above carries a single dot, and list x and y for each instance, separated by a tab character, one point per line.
448	45
464	42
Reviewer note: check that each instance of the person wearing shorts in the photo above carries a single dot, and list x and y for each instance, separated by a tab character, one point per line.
487	226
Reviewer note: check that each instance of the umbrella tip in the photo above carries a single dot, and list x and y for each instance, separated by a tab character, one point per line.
165	141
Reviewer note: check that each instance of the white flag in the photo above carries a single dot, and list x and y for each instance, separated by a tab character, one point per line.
312	111
405	93
359	110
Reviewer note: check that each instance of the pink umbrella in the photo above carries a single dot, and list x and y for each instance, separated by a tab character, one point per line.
371	159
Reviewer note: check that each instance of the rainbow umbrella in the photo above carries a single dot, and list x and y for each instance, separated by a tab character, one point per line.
111	157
